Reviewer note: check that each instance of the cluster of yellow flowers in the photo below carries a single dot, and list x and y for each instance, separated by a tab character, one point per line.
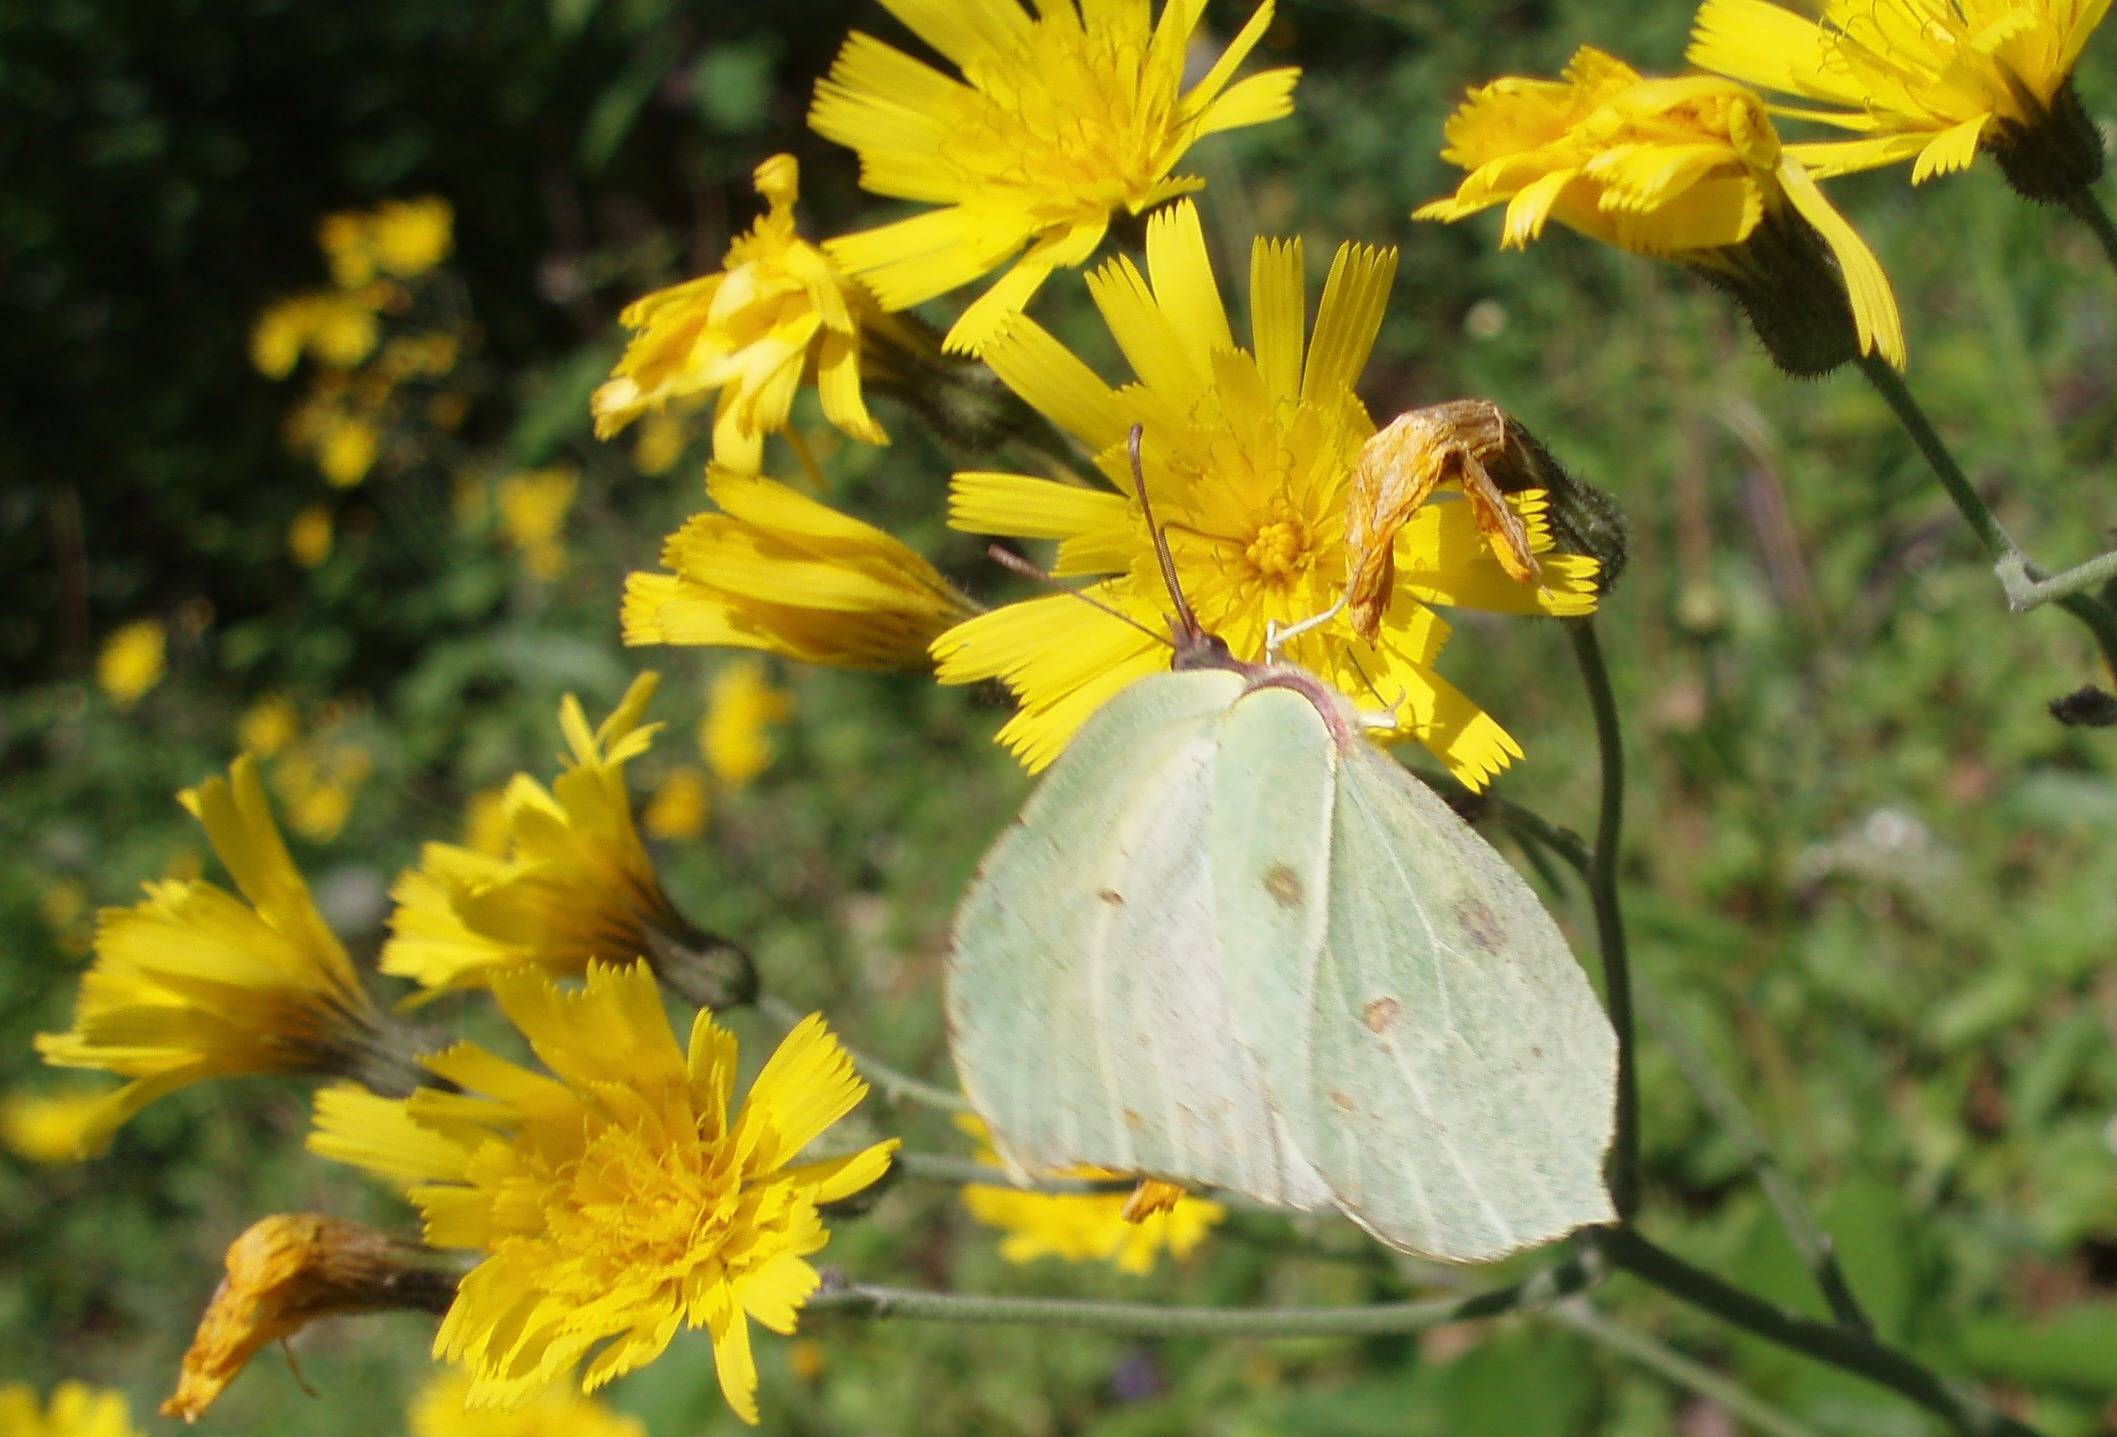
380	347
1065	127
616	1191
1692	168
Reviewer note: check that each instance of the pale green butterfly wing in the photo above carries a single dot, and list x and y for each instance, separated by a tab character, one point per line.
1418	1019
1085	1000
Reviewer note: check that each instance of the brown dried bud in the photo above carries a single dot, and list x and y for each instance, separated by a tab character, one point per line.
1399	469
285	1272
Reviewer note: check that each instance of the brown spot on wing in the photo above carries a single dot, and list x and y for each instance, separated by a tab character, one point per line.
1112	897
1284	885
1380	1014
1342	1101
1481	923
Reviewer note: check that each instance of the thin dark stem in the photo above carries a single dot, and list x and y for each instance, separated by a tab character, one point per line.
1848	1350
1609	917
1144	1319
2087	208
1736	1124
2013	565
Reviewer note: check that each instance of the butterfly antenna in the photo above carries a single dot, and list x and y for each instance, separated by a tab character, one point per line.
1185	618
1006	558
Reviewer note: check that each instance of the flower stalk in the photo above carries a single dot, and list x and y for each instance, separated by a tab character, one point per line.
2019	576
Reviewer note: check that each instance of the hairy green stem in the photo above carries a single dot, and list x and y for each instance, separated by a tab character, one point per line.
895	1082
2018	574
1841	1347
1609	917
2087	208
1657	1356
1145	1319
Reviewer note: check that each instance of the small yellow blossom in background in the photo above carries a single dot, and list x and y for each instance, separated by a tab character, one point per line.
344	239
53	1127
195	982
805	1359
342	329
1248	456
279	337
574	883
677	811
778	571
310	535
1932	81
285	1272
318	781
346	448
1687	169
614	1201
658	444
533	506
1085	1227
742	707
443	1409
1063	121
76	1410
339	330
269	725
777	312
63	904
132	661
409	237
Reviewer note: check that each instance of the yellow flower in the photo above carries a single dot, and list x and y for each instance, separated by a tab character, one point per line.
778	571
287	1271
342	329
53	1127
309	536
1061	123
409	237
443	1410
345	241
1085	1227
777	312
574	884
659	444
677	811
132	661
488	822
615	1201
269	725
1248	455
741	709
346	450
533	507
77	1410
195	982
1688	169
317	782
1931	81
281	335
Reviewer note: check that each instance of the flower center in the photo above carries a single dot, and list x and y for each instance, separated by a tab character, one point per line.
631	1205
1278	550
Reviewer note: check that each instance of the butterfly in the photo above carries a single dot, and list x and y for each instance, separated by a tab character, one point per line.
1229	943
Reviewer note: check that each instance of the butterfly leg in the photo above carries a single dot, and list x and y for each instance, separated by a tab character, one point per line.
1276	639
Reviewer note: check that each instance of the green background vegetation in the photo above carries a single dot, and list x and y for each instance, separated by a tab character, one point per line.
1864	863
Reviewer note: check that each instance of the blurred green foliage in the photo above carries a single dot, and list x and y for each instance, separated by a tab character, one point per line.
1864	864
